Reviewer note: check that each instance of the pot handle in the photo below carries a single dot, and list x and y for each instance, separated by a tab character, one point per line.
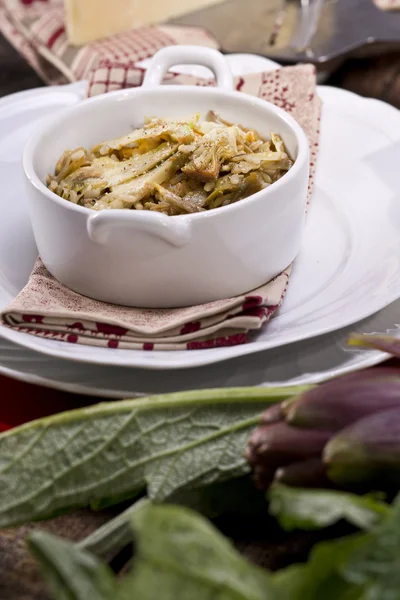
103	227
171	56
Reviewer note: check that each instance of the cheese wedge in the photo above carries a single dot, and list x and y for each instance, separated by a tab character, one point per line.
89	20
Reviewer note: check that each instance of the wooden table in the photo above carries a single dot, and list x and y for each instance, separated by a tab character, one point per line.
19	580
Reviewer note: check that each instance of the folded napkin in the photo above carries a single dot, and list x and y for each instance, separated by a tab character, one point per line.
46	308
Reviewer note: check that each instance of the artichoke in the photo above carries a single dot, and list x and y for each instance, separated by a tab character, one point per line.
138	188
155	130
215	147
173	166
344	433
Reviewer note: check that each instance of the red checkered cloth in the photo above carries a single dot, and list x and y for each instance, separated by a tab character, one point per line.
36	29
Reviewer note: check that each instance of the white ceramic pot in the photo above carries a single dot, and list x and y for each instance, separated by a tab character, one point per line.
147	259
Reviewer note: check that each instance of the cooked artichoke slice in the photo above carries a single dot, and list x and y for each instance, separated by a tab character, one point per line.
244	163
142	186
278	143
179	205
212	150
215	118
70	161
232	188
228	183
156	130
107	173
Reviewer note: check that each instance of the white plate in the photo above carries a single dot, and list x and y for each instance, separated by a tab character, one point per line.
308	362
348	268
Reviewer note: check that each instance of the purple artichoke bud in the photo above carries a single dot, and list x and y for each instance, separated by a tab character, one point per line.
308	473
345	432
367	452
340	402
278	444
273	414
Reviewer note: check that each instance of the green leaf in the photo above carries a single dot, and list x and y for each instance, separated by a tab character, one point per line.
236	497
180	556
71	573
298	508
361	567
376	564
117	449
322	576
114	535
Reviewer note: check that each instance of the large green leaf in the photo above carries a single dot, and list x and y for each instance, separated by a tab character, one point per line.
375	565
70	573
299	508
180	556
117	449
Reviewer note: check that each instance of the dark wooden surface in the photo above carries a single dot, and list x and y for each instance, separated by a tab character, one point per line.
15	74
379	78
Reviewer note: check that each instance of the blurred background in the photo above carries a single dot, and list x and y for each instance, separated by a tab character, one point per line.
354	43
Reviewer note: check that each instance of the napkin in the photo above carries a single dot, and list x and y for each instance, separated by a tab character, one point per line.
36	29
388	4
48	309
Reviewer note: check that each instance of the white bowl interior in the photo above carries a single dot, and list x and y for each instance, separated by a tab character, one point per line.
114	115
